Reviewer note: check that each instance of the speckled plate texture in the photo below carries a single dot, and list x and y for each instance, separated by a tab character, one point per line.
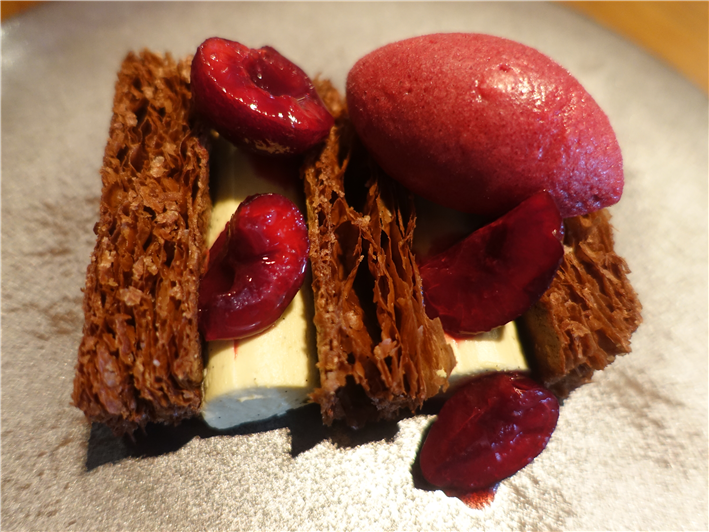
630	450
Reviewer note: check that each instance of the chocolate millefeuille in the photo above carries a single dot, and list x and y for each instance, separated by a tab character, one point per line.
141	356
140	359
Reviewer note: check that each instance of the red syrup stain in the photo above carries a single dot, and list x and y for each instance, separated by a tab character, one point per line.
477	499
282	171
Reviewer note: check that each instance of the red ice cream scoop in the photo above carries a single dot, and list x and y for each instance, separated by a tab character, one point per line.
480	123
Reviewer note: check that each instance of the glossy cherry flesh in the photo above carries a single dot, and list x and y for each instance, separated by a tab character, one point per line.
257	98
256	266
496	273
487	431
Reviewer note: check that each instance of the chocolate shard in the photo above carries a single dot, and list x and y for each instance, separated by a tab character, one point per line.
378	351
589	313
140	357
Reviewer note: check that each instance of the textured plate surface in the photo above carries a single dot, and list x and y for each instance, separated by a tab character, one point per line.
630	451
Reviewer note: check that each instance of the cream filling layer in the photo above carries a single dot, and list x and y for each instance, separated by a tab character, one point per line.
270	373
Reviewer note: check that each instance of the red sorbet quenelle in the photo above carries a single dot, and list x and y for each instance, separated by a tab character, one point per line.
479	123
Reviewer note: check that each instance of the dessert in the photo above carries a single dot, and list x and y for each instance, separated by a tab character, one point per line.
140	359
273	372
479	123
381	349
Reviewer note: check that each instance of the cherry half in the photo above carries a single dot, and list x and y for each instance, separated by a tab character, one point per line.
257	98
256	266
488	430
495	274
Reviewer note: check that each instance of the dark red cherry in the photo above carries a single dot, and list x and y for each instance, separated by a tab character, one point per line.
257	98
256	266
488	430
496	273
